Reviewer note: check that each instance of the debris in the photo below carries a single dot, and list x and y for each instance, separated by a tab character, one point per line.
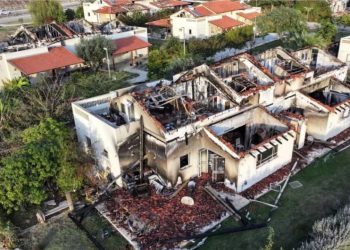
295	184
213	193
186	200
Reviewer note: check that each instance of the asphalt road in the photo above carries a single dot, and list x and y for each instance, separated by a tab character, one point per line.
22	16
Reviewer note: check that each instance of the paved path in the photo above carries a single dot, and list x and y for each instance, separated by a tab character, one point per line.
142	75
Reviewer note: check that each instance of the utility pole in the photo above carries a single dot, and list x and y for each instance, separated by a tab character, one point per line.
183	30
107	57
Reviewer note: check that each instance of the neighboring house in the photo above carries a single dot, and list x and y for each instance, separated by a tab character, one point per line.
211	18
33	63
344	50
130	50
102	11
131	45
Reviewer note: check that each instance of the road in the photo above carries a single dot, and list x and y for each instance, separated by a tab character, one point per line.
23	16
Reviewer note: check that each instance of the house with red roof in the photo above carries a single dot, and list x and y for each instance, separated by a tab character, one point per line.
101	11
37	62
212	18
131	50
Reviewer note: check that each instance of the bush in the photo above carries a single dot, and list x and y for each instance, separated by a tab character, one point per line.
344	20
239	36
330	232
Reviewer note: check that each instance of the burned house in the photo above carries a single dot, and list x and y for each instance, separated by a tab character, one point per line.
27	36
323	64
247	78
302	68
320	112
191	126
290	73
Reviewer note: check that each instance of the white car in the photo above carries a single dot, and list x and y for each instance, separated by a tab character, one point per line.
5	12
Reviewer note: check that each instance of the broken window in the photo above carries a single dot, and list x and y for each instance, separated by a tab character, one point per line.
184	162
88	143
131	111
267	155
123	108
105	153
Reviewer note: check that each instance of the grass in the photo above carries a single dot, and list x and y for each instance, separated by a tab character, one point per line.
325	189
61	233
58	233
97	225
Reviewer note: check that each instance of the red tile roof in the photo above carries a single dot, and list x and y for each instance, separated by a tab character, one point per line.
226	23
164	4
165	23
116	2
216	7
110	10
128	44
55	58
121	7
250	15
222	6
203	11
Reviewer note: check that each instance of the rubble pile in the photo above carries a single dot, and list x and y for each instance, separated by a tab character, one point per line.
156	220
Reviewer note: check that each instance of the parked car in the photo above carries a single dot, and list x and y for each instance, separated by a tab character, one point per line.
4	12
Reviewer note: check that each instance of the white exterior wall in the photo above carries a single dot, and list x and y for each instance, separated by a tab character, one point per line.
344	50
140	32
249	174
9	72
89	8
103	136
337	122
200	26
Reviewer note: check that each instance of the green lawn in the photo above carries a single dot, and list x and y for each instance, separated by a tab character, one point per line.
58	233
325	189
97	225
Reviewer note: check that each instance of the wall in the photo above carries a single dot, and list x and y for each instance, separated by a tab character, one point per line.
249	174
344	50
103	136
140	32
9	72
89	8
127	57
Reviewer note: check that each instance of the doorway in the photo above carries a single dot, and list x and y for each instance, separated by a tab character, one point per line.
212	163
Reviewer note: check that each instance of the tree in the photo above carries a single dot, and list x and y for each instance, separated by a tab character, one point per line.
9	104
69	14
239	35
327	31
315	11
89	85
79	12
92	50
286	22
28	174
46	11
157	62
